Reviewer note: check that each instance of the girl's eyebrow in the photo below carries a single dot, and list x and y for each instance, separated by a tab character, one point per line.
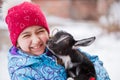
40	28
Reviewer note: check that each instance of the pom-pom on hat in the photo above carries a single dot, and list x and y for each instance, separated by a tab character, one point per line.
22	16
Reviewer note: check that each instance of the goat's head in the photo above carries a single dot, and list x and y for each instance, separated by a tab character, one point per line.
62	42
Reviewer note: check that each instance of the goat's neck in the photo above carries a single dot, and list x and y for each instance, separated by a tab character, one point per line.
75	56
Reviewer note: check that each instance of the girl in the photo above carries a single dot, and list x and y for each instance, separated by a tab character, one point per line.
28	57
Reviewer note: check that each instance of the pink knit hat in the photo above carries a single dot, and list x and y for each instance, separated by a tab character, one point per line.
22	16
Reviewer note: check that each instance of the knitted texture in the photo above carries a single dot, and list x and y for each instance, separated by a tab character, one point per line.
22	16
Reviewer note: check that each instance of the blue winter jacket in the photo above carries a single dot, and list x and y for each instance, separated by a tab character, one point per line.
27	67
22	66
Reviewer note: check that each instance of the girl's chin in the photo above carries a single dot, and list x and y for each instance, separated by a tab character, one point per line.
39	53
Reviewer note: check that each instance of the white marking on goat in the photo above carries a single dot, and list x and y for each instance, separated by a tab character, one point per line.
77	70
70	78
66	61
61	39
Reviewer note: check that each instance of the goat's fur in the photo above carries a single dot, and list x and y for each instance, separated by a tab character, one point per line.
77	65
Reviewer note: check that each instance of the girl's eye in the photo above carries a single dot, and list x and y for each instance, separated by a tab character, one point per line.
40	31
26	36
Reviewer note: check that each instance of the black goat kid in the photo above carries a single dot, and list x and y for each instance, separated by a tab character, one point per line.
77	65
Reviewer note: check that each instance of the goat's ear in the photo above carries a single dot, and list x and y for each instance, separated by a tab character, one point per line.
84	42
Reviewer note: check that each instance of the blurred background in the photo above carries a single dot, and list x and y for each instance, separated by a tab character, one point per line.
81	18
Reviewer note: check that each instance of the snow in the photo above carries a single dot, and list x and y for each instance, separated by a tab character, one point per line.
4	26
3	66
106	45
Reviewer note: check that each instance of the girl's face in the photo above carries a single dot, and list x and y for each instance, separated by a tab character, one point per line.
33	40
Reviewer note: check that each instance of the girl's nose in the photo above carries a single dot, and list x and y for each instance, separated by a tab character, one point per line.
35	39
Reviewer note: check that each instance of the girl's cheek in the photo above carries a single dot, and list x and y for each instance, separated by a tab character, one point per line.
45	38
24	44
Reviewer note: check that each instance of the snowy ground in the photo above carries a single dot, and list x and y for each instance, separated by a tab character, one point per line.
106	46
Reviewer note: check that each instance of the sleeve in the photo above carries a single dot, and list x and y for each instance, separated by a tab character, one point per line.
98	64
26	74
20	74
20	77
